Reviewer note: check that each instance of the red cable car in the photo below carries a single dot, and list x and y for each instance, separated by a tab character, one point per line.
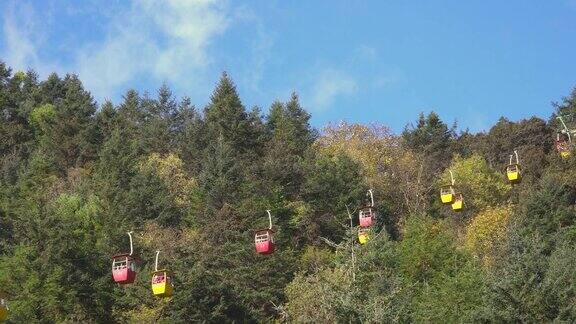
124	266
367	215
264	239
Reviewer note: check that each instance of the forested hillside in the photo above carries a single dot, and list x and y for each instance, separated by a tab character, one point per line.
195	183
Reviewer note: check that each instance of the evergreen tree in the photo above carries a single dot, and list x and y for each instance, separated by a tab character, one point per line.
226	117
189	139
74	180
159	114
432	138
71	139
290	136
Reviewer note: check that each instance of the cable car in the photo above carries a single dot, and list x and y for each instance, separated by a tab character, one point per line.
513	170
367	214
124	266
564	142
363	235
458	202
447	192
513	173
563	146
264	238
162	284
4	310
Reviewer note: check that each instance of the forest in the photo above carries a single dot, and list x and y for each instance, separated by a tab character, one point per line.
195	183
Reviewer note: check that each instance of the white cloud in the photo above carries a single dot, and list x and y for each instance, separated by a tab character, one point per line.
23	35
20	51
157	40
261	45
166	40
330	85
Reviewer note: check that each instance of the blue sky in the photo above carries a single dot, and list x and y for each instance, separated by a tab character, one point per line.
359	61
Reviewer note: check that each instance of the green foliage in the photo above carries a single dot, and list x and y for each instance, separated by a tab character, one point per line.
290	137
74	178
42	117
423	278
322	298
332	182
534	278
432	138
426	250
61	263
531	138
481	186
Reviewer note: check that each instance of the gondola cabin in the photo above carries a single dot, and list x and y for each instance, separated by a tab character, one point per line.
264	241
458	202
363	235
513	173
124	268
563	147
367	216
447	194
162	285
3	310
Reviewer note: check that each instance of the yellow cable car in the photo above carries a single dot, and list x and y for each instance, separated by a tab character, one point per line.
458	202
447	194
162	285
513	170
513	173
363	235
447	191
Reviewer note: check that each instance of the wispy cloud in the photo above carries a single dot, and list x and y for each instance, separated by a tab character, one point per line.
335	81
152	40
24	33
166	40
20	36
261	47
330	85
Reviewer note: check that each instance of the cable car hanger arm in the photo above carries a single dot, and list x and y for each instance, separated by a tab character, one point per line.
371	197
156	262
269	219
566	130
131	245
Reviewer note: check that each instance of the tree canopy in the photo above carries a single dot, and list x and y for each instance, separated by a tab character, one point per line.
195	183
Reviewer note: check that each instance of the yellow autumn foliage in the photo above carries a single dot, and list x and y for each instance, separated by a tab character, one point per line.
482	187
386	167
170	169
487	230
372	147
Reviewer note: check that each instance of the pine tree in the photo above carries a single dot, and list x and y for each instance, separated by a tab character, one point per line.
71	139
159	114
226	117
432	138
187	128
290	135
14	129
